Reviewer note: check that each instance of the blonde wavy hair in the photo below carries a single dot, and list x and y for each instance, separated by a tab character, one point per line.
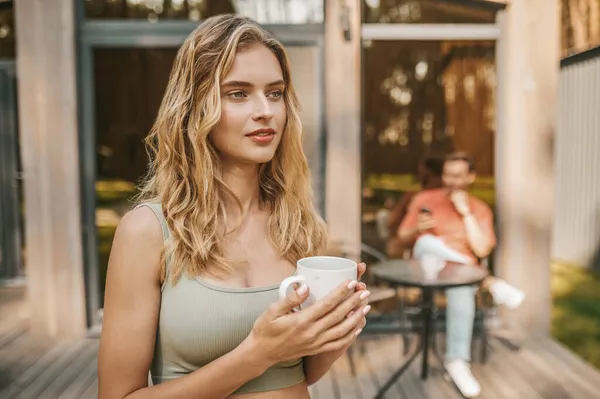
184	170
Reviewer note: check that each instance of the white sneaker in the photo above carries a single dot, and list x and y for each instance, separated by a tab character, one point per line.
460	372
507	295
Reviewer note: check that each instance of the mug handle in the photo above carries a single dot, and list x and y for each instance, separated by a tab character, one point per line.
288	283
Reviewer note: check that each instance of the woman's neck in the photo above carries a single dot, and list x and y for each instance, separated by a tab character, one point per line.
243	182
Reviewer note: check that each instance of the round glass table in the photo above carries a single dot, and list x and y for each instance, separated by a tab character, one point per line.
411	273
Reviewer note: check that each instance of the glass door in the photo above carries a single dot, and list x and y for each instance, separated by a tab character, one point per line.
429	88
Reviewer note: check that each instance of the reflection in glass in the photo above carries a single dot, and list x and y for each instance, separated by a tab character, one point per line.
129	85
263	11
7	31
422	99
429	11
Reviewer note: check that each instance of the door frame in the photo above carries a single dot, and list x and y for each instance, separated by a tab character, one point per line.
93	34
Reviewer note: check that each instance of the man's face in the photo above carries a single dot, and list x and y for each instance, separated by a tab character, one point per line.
457	176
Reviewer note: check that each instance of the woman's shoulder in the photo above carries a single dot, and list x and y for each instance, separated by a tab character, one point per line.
137	249
140	225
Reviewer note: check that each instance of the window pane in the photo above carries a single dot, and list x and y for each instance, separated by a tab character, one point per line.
7	32
429	12
263	11
423	99
129	85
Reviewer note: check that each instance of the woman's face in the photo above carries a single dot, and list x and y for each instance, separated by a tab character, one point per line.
253	112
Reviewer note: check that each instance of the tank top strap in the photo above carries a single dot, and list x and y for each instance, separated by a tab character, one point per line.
158	212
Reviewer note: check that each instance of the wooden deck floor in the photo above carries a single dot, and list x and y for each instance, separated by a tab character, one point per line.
34	368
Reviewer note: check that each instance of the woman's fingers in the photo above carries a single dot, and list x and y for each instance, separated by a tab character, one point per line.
337	315
341	343
332	301
355	322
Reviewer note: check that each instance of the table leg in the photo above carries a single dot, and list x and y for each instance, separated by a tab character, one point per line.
426	335
397	374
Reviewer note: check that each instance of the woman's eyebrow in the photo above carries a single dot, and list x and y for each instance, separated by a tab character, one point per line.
237	83
241	83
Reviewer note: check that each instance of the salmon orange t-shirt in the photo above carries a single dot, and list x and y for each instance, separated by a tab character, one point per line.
449	225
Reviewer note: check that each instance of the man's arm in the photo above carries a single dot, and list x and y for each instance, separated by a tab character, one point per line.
479	227
414	223
479	241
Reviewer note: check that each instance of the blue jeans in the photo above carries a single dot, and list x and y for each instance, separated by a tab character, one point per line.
460	315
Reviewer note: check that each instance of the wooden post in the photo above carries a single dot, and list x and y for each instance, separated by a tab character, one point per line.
343	107
528	76
49	148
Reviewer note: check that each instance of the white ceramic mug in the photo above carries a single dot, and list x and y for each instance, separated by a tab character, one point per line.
322	274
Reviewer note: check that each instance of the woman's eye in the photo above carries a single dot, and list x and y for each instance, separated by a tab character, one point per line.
276	94
237	95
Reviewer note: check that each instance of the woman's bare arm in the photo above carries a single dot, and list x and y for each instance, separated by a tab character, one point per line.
130	321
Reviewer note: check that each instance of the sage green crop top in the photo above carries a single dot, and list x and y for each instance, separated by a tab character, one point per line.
199	322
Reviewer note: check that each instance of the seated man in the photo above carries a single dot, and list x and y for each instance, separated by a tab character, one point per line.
454	226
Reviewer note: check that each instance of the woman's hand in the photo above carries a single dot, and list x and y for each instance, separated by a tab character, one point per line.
280	334
317	366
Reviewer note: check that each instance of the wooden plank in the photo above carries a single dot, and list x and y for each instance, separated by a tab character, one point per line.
436	386
92	391
346	383
495	374
571	380
38	382
544	385
438	373
387	354
568	358
365	379
11	333
19	356
334	383
540	370
30	374
85	356
555	372
79	386
376	354
410	385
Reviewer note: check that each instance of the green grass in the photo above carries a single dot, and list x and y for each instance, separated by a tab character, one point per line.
576	310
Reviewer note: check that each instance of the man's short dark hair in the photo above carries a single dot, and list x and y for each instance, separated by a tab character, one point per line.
435	165
462	156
